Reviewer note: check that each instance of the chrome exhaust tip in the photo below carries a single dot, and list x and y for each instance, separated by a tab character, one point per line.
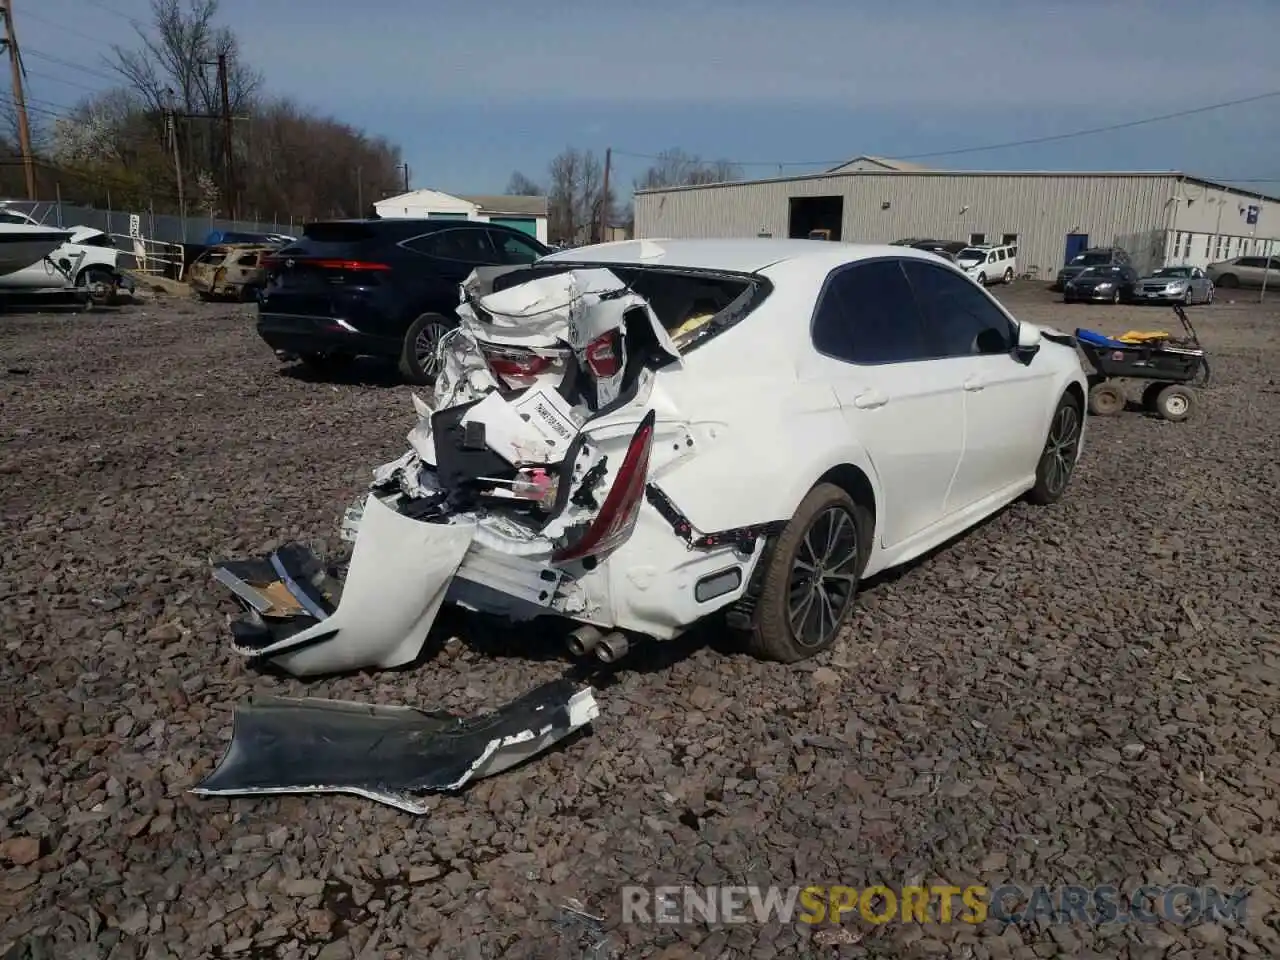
583	640
612	648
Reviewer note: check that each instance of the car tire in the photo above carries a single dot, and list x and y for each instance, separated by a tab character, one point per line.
1008	276
1105	399
1174	402
1227	280
1061	450
1189	297
416	365
829	598
1115	297
982	279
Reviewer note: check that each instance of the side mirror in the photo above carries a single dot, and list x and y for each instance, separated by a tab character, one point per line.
1028	344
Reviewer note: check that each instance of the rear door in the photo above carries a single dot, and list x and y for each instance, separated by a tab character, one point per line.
1005	412
447	258
904	408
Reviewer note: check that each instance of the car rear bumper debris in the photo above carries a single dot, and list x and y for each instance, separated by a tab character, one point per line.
392	754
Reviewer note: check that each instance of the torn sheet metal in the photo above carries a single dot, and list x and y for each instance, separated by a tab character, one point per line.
393	754
399	574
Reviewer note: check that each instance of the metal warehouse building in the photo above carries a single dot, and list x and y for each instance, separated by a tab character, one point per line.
1158	218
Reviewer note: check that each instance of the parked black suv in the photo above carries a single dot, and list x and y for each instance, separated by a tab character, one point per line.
383	288
1093	257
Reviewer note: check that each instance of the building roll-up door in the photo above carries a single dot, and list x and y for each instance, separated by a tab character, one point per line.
524	224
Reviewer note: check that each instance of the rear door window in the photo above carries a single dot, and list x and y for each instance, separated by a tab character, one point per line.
463	246
960	320
514	248
866	315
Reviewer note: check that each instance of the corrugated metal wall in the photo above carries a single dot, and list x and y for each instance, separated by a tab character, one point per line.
1131	212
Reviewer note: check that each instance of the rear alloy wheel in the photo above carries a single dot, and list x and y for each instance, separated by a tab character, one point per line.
1061	448
1105	400
812	576
1008	275
419	358
1174	402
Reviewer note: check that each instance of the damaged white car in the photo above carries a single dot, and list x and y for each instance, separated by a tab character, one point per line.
635	436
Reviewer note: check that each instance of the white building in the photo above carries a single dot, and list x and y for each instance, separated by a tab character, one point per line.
528	214
1158	217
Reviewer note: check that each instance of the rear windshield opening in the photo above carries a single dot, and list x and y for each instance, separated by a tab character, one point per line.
337	232
685	302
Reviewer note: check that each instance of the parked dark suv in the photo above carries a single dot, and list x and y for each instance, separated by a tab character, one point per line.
1093	257
382	288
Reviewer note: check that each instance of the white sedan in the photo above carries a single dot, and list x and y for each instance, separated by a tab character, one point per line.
635	436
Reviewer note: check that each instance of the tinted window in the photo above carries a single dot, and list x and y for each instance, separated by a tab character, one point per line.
515	248
960	320
467	246
866	314
1250	262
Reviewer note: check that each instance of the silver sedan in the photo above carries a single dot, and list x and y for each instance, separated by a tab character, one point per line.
1175	285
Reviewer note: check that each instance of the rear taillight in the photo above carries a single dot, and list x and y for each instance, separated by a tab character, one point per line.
515	363
349	266
617	517
603	354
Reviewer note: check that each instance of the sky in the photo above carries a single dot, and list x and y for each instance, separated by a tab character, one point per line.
474	92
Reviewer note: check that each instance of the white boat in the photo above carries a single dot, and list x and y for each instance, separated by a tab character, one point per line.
22	245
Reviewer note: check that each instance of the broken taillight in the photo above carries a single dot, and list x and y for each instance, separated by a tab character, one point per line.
603	356
617	517
514	363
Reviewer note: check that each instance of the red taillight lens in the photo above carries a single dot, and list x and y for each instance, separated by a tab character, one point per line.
348	266
514	363
617	517
603	356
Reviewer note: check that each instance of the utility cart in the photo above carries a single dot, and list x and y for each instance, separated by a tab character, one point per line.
1174	367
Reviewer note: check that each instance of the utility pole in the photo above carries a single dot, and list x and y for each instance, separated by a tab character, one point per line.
604	195
227	137
19	97
171	124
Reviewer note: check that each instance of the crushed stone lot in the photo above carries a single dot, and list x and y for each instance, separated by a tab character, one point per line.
1083	694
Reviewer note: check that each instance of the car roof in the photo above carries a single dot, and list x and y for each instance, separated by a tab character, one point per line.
731	255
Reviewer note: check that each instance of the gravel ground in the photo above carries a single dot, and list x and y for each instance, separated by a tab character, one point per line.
1084	694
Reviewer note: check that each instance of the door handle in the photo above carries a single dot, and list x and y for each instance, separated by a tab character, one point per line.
870	400
974	384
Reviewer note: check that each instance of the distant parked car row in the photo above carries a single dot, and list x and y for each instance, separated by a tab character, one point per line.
1120	283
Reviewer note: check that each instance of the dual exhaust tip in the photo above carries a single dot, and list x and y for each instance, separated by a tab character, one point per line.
608	647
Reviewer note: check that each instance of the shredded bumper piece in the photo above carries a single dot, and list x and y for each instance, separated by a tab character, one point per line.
393	755
299	619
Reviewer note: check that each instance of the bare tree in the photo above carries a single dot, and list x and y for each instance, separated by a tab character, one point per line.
172	67
521	186
575	199
675	168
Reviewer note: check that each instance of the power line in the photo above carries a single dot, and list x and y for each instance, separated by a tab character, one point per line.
1029	141
69	64
69	83
62	27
